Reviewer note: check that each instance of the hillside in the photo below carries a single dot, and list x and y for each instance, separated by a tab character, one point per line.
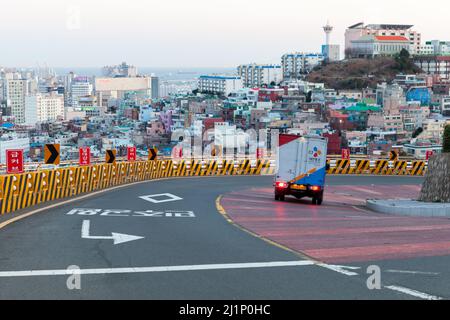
362	73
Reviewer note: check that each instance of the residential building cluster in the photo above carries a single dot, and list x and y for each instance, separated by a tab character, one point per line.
123	108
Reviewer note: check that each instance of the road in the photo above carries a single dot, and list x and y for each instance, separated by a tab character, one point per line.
179	246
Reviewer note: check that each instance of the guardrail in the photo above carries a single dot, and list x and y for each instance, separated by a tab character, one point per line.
31	188
378	167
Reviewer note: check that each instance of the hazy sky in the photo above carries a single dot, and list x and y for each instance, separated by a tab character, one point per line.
191	33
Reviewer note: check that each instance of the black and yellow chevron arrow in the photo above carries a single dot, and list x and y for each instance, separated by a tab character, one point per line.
52	154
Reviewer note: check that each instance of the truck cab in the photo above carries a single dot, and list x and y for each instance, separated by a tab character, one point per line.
302	167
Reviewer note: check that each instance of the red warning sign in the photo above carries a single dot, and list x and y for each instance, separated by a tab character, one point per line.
14	161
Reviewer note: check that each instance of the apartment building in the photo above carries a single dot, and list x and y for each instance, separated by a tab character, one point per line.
219	84
15	91
297	65
257	75
43	107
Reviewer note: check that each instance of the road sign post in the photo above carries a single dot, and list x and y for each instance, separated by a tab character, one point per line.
393	156
14	161
345	154
152	153
52	154
131	154
85	156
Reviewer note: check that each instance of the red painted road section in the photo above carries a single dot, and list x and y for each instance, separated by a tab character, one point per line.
341	230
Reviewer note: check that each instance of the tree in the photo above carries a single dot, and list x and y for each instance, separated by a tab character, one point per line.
417	132
404	62
446	140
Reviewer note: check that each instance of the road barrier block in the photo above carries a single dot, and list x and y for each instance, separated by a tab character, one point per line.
417	168
381	167
361	167
342	167
400	168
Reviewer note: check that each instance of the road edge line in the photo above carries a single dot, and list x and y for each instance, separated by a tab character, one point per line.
225	215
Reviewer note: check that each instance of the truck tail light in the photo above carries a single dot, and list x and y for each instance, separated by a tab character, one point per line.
281	184
316	188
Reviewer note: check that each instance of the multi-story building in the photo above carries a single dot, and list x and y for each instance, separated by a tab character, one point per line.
119	88
80	87
257	75
154	87
331	52
13	142
433	130
15	92
219	84
121	70
445	105
43	107
359	30
297	65
434	65
436	48
371	46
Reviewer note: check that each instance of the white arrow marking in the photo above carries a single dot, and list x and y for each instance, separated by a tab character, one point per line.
117	237
414	293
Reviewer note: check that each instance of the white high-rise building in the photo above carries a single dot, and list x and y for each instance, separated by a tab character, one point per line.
15	93
219	84
80	89
44	107
257	75
297	65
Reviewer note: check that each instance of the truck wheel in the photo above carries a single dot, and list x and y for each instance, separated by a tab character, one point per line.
281	197
277	198
319	201
314	201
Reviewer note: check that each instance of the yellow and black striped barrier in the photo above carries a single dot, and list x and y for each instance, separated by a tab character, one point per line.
29	189
377	167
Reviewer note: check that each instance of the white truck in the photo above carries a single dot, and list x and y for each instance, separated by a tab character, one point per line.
302	167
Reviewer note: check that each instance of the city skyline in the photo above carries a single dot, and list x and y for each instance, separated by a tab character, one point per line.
192	35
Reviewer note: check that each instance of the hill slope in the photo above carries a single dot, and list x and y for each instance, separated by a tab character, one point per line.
361	73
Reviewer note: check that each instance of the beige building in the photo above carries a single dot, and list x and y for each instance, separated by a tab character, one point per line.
433	130
371	46
359	30
44	107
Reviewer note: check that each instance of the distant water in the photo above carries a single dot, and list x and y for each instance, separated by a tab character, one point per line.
162	73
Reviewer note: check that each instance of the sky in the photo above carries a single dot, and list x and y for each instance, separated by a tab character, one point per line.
191	33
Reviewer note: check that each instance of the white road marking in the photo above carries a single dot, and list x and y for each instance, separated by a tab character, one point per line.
413	272
168	198
368	190
340	269
226	266
118	238
413	293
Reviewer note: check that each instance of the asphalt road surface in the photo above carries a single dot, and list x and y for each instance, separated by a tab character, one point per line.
175	244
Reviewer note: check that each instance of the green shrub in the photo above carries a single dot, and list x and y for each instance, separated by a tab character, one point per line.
446	140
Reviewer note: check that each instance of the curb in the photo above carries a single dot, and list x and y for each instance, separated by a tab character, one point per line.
410	208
